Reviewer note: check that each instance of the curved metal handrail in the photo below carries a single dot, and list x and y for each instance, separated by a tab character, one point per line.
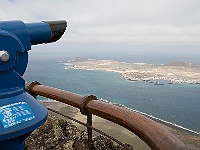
152	133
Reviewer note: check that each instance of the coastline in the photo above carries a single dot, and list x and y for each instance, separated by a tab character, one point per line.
140	71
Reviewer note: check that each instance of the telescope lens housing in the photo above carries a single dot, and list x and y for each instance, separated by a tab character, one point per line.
46	31
57	29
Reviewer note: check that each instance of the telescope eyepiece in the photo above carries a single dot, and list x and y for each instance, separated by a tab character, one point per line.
57	29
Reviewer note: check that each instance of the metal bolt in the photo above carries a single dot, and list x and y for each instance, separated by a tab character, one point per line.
4	55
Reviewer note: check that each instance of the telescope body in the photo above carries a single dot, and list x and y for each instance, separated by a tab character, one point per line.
20	113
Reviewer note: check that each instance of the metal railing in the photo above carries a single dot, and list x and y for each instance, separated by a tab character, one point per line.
89	127
152	133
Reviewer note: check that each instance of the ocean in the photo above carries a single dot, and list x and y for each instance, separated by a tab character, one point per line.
175	103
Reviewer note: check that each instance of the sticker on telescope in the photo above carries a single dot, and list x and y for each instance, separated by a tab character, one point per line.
15	113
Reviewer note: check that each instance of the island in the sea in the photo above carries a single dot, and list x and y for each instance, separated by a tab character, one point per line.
174	72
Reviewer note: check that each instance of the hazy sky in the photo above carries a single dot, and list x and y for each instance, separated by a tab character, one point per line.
139	22
135	21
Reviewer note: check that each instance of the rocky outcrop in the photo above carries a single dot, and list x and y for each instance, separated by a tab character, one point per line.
60	134
77	59
182	64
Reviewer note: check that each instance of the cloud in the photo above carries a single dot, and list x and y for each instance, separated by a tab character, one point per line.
144	21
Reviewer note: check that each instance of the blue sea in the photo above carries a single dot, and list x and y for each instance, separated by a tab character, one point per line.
175	103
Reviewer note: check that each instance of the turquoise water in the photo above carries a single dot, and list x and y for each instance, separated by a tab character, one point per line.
176	103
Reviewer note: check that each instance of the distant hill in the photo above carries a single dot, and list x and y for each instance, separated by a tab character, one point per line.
182	64
77	59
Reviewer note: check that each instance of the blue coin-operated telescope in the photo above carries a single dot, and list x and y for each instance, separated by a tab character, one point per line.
20	113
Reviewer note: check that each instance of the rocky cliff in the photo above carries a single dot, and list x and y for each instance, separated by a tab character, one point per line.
57	134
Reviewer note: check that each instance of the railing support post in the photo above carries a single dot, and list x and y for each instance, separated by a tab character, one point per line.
84	102
89	130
